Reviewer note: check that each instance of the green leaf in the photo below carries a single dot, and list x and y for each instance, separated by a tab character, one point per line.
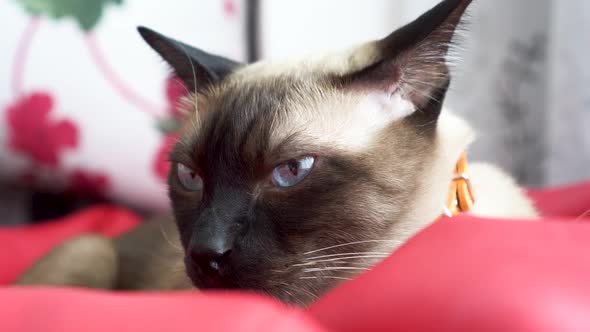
168	125
86	12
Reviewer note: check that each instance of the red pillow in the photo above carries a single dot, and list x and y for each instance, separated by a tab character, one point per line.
472	274
566	202
464	274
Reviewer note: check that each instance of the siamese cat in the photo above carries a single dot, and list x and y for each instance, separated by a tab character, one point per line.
292	176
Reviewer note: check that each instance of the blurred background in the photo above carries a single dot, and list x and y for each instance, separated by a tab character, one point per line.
87	109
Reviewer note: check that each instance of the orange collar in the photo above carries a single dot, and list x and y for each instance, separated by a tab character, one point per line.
460	198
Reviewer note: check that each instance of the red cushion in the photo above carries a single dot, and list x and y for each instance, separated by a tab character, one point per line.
59	310
465	274
570	201
472	275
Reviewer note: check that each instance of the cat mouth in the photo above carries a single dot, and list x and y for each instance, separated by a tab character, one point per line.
203	281
289	293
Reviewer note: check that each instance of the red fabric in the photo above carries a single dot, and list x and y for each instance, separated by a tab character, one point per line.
59	310
464	274
472	275
568	202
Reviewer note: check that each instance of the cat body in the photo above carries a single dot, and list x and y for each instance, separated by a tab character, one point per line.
292	176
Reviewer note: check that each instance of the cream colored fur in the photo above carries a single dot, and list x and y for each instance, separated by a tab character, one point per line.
347	121
496	193
352	122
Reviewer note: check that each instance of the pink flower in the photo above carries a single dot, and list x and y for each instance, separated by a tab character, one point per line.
229	7
33	133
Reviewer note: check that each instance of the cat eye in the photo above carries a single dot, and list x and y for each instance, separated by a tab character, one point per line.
292	172
188	178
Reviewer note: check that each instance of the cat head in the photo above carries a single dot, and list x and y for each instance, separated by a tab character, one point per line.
291	176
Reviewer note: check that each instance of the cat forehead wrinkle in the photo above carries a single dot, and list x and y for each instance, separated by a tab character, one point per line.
236	116
342	120
263	114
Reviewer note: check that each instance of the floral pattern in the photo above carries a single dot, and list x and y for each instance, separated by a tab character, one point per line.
55	139
34	134
87	13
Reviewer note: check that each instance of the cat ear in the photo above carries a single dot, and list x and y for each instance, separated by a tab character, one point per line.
412	61
197	68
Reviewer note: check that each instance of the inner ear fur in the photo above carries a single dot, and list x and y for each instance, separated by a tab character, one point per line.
412	60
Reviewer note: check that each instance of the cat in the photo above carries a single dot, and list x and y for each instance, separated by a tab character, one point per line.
292	176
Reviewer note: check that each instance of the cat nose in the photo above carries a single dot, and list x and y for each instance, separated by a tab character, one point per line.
210	259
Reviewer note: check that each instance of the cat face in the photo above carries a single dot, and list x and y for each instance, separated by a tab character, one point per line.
290	177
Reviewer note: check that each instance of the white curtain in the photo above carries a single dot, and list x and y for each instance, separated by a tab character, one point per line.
524	84
568	107
524	81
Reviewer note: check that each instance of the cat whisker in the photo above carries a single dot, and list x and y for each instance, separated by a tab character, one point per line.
348	244
301	290
194	73
292	293
348	253
288	293
326	277
339	259
335	268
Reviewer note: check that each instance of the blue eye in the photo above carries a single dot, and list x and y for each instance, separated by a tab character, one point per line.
292	172
189	178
